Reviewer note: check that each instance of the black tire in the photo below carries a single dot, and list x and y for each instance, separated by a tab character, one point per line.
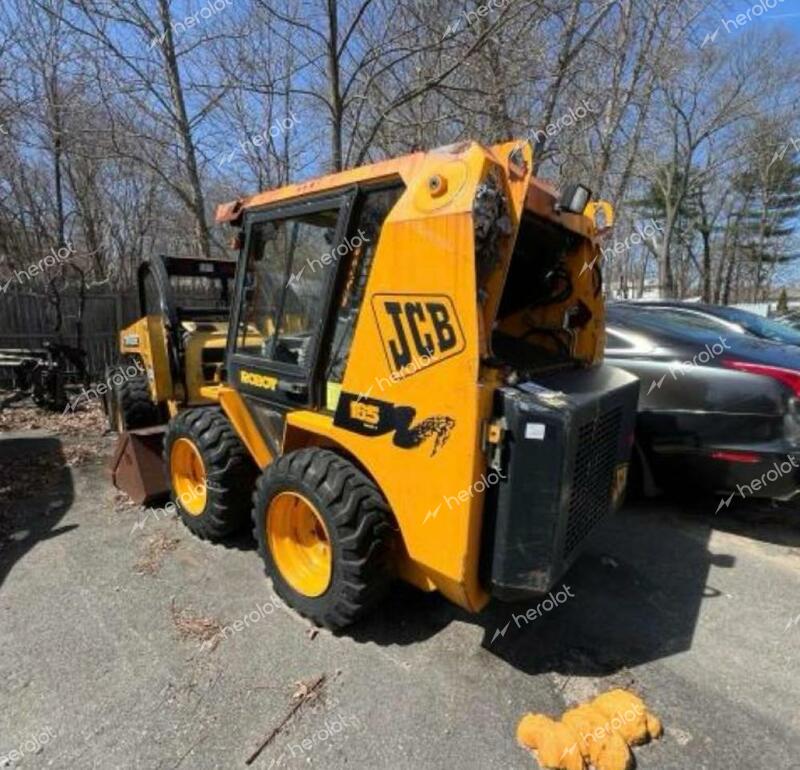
359	524
641	482
230	472
128	404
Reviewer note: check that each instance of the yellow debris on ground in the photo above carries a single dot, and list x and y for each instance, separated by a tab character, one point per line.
595	734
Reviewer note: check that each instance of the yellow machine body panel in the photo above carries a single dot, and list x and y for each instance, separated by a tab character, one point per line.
234	407
197	339
418	423
147	339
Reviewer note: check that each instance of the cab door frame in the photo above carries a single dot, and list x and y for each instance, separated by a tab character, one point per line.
296	386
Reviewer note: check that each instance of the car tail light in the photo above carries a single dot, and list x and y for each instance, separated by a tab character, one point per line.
788	377
736	457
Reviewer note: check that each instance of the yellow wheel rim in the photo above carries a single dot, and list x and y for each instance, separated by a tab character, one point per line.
299	543
188	476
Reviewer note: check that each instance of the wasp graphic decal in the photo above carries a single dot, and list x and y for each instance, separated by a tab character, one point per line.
371	417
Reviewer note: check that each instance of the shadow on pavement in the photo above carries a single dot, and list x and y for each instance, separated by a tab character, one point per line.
768	522
35	492
636	595
161	508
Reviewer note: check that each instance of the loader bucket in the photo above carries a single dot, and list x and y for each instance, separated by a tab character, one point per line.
137	467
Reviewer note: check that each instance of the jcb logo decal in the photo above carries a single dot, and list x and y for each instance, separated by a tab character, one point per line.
417	330
258	380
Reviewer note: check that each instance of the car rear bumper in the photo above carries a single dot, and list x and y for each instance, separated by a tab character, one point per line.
763	471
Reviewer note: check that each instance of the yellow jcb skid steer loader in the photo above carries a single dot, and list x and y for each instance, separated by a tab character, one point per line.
410	383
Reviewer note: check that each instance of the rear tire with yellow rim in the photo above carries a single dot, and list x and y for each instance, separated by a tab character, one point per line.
325	534
211	474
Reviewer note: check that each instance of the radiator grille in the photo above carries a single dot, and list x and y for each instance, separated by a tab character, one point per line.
595	457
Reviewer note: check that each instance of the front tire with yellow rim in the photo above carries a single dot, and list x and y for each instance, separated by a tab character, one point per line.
325	534
210	472
127	401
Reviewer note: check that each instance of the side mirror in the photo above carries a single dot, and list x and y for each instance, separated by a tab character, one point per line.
574	199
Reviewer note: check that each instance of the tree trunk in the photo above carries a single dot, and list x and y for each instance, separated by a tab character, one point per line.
183	132
666	276
337	116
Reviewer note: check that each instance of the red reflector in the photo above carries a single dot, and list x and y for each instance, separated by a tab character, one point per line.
631	438
737	457
788	377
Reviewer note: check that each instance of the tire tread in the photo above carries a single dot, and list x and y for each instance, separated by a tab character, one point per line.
363	527
230	471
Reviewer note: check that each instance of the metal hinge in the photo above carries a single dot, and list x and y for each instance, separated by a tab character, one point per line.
493	434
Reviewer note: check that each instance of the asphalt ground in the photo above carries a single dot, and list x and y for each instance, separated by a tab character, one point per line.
110	657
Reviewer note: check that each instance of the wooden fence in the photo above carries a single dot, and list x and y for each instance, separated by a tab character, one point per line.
28	319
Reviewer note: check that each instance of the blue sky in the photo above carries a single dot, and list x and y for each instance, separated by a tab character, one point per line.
786	13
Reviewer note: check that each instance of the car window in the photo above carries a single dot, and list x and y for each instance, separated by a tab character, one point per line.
665	326
763	327
615	341
688	319
619	341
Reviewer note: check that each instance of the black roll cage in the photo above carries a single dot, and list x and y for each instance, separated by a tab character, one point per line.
161	268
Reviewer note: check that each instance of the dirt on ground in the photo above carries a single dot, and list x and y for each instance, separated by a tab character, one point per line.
87	419
127	642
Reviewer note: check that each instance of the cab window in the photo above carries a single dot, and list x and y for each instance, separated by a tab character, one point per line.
288	263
